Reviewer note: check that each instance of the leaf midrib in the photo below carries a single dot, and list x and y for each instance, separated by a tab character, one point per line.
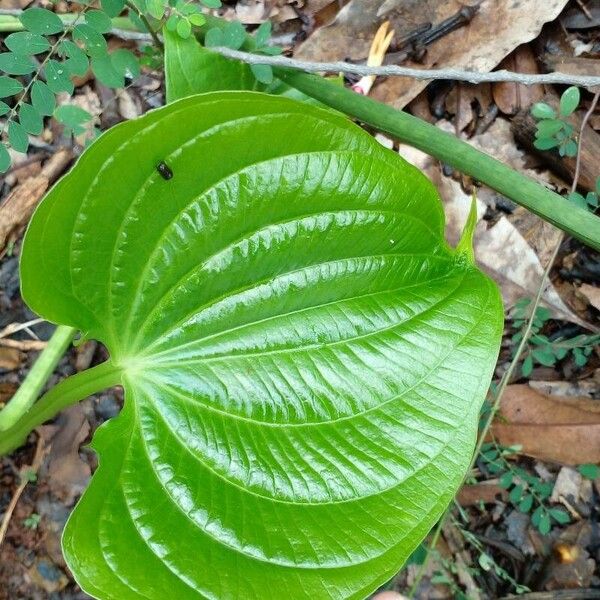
256	422
174	349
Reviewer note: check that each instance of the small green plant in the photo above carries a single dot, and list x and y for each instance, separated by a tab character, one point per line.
233	36
589	201
589	471
527	492
484	561
67	48
555	131
540	348
32	521
447	575
29	475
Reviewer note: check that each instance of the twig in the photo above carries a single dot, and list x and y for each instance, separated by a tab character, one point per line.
584	121
35	465
397	71
585	10
146	23
14	327
23	345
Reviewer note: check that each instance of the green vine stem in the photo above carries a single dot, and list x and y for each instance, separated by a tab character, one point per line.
552	207
146	23
31	388
67	392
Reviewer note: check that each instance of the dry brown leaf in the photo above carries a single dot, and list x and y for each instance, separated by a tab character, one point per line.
281	11
250	12
458	103
7	391
464	99
497	29
592	293
67	474
505	254
562	431
486	492
573	65
511	97
128	105
10	359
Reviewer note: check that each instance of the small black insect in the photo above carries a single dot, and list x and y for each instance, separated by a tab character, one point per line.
164	170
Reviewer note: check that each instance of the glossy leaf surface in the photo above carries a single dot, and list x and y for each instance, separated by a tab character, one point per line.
191	69
303	356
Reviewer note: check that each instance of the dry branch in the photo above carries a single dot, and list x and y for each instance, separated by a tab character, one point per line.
397	71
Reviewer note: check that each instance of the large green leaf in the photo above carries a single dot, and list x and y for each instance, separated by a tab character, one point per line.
191	69
302	354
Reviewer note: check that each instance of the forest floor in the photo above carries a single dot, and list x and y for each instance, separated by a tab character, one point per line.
527	520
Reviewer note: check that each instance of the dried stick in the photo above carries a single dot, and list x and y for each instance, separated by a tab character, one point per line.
397	71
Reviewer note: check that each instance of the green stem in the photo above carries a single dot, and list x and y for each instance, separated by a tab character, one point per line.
31	388
146	23
552	207
67	392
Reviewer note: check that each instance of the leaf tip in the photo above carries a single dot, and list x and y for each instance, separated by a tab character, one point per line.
464	248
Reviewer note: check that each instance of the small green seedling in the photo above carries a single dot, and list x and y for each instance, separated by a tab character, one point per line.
29	475
233	36
527	492
555	131
182	16
32	521
589	201
542	350
589	471
42	62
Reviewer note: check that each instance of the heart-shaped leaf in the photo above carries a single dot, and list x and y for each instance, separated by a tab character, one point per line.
302	354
